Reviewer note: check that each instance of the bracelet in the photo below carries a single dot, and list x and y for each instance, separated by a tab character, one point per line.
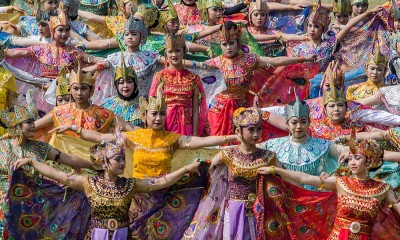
84	46
265	115
272	170
88	59
108	43
186	170
100	66
225	139
58	156
302	60
10	9
30	161
149	188
203	65
290	7
322	186
74	128
79	131
193	64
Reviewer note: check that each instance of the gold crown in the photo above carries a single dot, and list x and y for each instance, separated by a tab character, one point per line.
342	6
376	57
123	71
369	148
320	15
18	114
259	5
63	88
166	15
226	35
173	41
81	78
154	103
243	117
333	95
59	20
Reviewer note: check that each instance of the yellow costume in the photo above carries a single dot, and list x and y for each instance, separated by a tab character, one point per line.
362	90
8	90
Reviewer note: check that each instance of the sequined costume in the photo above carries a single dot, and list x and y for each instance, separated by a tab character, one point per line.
233	185
178	88
310	157
8	155
115	24
188	15
109	204
362	90
124	109
153	151
325	129
93	118
237	75
100	7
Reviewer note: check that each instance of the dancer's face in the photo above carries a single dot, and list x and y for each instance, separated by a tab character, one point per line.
158	3
298	127
28	128
375	73
173	25
336	111
315	30
359	8
342	18
61	34
175	56
63	99
132	38
251	134
127	8
44	29
155	119
116	164
189	2
50	5
258	18
230	48
357	163
81	93
126	86
397	24
214	14
327	85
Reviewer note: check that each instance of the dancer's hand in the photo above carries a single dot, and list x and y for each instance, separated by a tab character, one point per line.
376	9
264	170
311	58
343	158
194	166
297	7
22	162
17	9
61	129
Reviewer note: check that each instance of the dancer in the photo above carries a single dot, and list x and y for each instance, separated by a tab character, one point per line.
183	90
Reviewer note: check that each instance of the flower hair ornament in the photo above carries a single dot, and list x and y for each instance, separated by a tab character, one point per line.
102	152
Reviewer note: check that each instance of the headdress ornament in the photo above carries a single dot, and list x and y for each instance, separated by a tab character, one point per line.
359	1
44	16
259	5
100	153
297	109
320	15
154	103
342	6
124	72
166	16
63	88
333	95
226	35
59	20
73	7
8	80
334	73
395	10
243	117
376	57
19	114
369	148
149	13
134	24
174	41
80	77
203	5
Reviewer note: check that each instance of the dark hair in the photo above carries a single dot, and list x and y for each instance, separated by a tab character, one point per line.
134	94
155	22
229	25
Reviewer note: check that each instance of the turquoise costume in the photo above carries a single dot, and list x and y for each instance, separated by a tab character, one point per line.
125	109
311	157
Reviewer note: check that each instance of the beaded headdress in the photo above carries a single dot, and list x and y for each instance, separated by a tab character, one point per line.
19	114
395	10
149	13
203	5
342	6
44	16
166	16
259	5
334	73
297	109
333	95
243	117
154	103
376	57
73	7
173	41
80	77
320	15
358	1
63	88
134	24
101	152
226	35
59	20
369	148
125	72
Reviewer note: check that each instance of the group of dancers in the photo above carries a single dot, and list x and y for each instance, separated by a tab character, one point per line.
202	119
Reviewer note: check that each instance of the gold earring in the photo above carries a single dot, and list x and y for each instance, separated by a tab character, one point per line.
20	139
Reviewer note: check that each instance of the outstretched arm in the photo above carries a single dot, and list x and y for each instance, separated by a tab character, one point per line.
194	142
100	44
43	122
283	61
70	160
92	17
168	180
75	182
88	135
300	177
17	53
